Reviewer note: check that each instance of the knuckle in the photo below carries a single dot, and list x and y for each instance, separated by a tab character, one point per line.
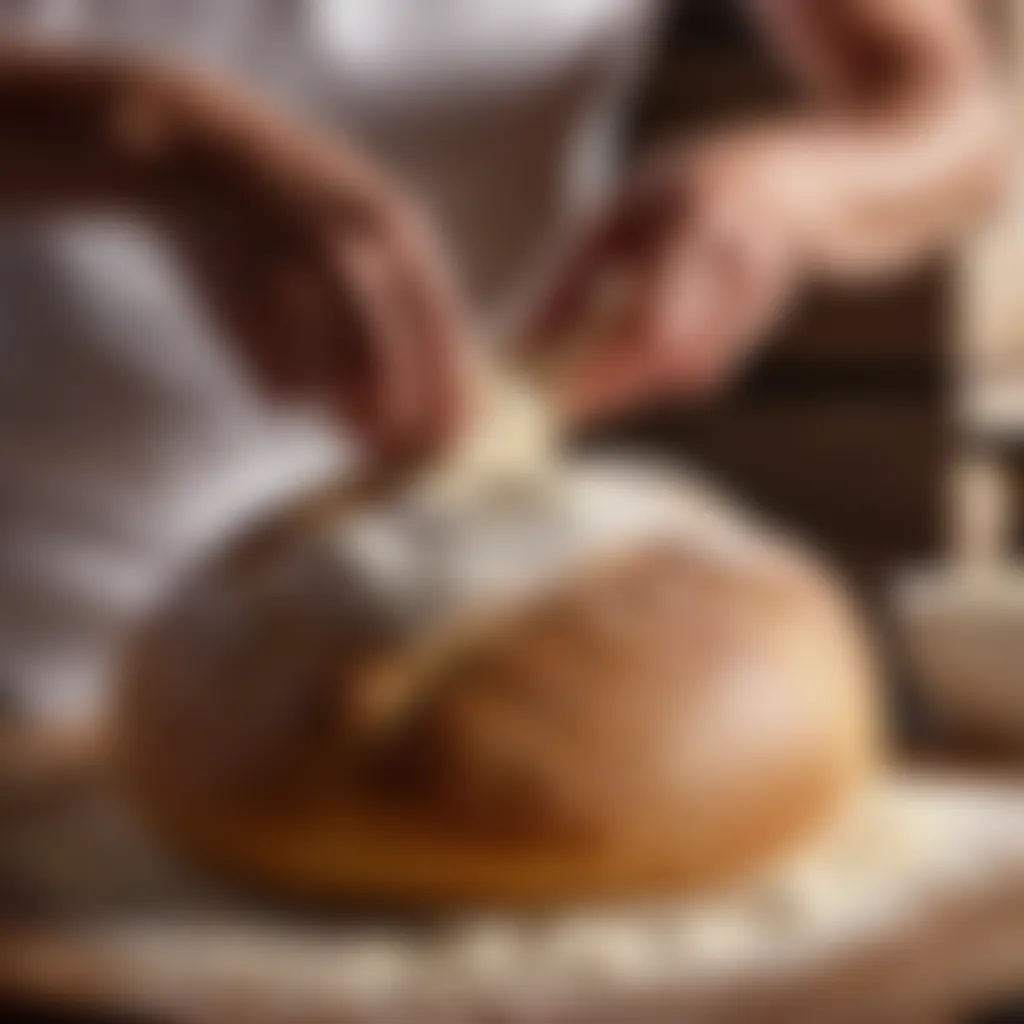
397	218
361	259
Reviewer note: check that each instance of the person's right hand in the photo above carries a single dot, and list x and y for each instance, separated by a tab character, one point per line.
329	280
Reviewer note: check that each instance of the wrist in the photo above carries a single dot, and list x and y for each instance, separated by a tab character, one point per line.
770	181
183	141
71	131
161	137
203	146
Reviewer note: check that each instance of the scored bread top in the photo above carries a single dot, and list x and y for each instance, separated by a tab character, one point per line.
611	662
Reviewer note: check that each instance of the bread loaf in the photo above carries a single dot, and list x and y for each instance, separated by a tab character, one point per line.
610	684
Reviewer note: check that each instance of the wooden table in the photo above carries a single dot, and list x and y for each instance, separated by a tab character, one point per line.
913	912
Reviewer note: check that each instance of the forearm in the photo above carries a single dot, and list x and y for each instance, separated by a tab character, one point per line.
73	131
911	142
903	182
882	194
81	131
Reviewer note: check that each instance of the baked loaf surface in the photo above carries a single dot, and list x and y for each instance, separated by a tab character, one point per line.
615	688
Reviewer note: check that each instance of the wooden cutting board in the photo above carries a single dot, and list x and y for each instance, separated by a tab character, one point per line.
914	910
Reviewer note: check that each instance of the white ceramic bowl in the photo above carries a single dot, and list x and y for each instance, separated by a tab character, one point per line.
963	632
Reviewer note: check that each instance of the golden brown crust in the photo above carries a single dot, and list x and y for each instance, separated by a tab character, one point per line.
665	720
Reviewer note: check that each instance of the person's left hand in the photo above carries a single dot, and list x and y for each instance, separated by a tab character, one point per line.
699	255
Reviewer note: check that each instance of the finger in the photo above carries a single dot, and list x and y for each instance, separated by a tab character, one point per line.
294	335
436	331
641	220
371	381
623	366
668	313
695	307
255	286
428	332
740	287
619	382
589	261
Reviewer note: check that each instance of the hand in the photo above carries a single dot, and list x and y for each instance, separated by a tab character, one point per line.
696	259
329	281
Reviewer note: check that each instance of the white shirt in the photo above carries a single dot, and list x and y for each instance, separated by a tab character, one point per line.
129	438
